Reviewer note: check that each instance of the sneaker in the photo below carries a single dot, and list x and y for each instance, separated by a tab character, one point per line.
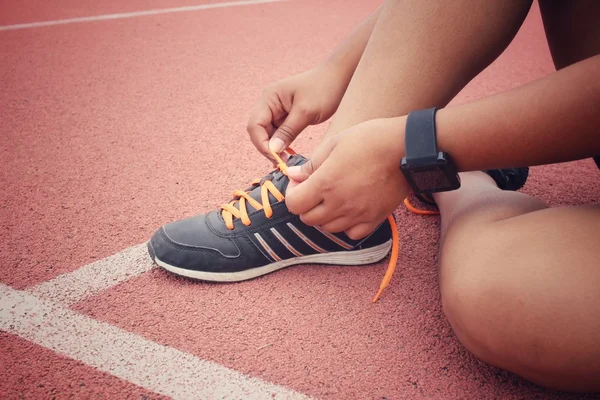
509	178
255	234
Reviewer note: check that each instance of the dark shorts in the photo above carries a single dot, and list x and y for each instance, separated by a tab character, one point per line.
597	159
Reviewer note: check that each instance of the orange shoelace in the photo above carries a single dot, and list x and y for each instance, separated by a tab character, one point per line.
237	208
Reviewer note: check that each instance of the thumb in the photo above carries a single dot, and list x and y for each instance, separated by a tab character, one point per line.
302	172
295	123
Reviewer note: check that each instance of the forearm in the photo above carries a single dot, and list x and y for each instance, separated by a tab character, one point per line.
551	120
348	52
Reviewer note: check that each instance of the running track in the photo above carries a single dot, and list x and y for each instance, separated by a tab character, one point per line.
116	124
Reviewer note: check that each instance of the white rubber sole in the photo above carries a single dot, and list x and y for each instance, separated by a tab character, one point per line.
356	257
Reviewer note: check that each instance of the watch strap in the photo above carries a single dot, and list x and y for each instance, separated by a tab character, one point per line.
420	137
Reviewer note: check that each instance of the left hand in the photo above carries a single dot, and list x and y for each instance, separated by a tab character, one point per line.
353	181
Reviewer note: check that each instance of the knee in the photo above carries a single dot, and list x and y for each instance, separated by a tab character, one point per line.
467	304
484	306
470	293
489	311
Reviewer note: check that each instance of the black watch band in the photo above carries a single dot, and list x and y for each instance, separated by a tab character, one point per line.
425	168
420	137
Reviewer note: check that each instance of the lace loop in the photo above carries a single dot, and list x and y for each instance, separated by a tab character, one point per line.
237	207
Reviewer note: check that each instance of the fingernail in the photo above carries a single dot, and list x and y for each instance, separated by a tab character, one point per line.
276	145
291	171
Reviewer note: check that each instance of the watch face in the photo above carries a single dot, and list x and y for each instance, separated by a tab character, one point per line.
437	176
431	179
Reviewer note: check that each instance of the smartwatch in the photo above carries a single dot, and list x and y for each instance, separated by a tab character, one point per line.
426	170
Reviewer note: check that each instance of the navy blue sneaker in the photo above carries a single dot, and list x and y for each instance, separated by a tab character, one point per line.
255	234
509	178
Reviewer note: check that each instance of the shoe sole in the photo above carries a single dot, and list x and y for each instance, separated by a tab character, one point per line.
355	257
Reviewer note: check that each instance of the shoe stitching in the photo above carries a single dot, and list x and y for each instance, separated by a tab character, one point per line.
199	248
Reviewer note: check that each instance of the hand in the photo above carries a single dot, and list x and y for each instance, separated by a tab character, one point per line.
288	106
352	181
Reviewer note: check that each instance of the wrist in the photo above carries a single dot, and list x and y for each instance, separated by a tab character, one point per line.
448	138
389	132
339	69
396	128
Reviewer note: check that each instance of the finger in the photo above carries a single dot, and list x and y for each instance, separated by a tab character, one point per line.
296	121
259	128
361	230
309	193
279	120
339	224
322	151
299	200
321	214
290	187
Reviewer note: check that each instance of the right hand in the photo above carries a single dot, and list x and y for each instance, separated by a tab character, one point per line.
290	105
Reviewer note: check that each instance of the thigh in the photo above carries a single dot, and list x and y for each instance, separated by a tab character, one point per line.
572	29
523	292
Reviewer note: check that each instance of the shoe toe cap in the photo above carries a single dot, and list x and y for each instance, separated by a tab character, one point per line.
190	244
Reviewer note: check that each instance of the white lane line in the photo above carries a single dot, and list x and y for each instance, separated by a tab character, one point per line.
135	14
92	278
155	367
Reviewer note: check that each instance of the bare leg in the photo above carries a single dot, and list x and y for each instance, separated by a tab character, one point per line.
522	294
519	293
520	282
422	53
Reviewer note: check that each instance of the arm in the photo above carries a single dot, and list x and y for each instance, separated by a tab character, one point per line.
348	52
288	106
554	119
352	181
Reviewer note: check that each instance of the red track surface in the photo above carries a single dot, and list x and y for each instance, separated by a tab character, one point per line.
113	128
32	372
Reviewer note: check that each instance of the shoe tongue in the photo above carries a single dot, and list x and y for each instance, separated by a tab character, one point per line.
294	160
279	180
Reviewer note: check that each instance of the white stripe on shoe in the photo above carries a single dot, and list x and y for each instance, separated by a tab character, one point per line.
286	243
267	248
334	238
305	239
